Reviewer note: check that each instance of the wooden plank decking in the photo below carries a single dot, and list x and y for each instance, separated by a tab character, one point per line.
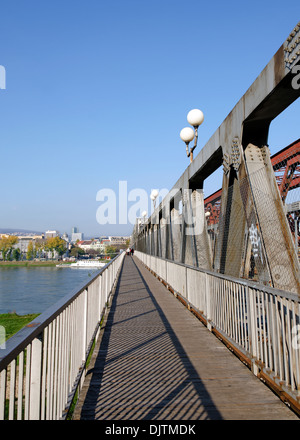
156	361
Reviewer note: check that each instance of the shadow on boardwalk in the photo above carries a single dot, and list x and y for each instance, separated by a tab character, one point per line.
142	371
156	361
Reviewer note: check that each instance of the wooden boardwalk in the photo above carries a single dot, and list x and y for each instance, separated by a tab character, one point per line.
156	361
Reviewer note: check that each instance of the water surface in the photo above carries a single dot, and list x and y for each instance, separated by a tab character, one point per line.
33	289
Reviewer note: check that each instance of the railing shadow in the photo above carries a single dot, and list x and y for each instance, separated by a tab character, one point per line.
142	371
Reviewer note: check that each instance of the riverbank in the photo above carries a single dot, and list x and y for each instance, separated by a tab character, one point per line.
12	322
48	263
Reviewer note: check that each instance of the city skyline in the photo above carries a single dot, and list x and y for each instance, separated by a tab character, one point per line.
97	95
27	232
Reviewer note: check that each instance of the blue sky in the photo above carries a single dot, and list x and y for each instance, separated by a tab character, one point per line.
98	91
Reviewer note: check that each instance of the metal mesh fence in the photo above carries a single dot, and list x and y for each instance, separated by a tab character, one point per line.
261	248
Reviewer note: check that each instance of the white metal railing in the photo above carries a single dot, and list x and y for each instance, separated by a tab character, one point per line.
262	323
43	365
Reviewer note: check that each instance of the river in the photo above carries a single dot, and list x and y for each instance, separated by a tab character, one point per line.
33	289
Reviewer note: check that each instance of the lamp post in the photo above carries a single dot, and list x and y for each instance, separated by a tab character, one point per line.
153	196
195	118
144	213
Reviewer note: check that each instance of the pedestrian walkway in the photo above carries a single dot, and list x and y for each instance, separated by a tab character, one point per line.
156	361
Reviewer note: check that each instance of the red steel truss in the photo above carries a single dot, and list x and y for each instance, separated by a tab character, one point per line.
286	165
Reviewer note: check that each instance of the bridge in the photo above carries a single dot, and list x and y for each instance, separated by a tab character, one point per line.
203	321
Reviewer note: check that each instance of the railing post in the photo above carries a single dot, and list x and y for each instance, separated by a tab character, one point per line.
84	324
35	378
99	298
253	329
208	302
3	375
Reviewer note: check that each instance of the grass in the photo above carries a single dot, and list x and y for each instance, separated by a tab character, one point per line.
12	322
31	263
28	263
48	263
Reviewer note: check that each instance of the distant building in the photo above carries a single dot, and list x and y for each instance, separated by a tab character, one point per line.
38	242
84	244
51	234
23	244
65	237
118	241
24	240
76	235
95	245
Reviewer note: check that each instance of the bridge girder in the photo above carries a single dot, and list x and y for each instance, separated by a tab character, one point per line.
249	185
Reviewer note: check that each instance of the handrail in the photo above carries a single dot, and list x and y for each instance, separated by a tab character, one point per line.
18	341
41	365
255	285
259	323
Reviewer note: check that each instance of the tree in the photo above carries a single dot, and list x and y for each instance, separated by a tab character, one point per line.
111	250
30	251
92	251
16	254
39	247
7	244
56	244
76	251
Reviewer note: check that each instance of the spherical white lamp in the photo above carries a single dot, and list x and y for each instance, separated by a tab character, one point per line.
195	117
154	193
144	213
187	134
